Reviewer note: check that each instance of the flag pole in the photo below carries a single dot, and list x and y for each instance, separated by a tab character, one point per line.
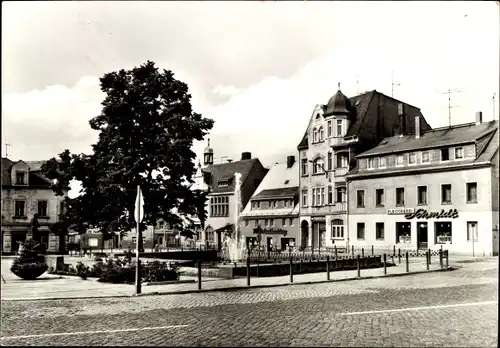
137	260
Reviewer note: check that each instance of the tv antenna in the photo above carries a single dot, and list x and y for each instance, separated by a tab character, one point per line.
357	84
493	101
7	145
393	84
449	91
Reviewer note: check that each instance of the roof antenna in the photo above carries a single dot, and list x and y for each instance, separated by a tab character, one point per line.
397	84
449	103
339	86
7	145
357	84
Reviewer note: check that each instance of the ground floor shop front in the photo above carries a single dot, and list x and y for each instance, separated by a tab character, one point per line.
272	233
12	237
460	232
323	231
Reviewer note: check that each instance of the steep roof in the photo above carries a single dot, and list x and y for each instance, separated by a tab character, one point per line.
277	193
6	165
456	135
35	177
226	171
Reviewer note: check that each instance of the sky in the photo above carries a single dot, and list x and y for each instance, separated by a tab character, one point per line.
257	68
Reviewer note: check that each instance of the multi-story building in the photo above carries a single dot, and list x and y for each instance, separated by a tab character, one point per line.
270	218
429	189
25	191
337	132
221	202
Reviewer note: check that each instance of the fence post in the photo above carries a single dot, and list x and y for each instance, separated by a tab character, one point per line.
362	252
336	263
327	267
291	269
399	255
352	250
427	257
393	249
385	263
358	267
301	266
335	251
441	258
199	274
372	251
248	270
447	257
430	256
407	263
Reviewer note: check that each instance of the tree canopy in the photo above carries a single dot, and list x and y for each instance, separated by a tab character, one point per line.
146	130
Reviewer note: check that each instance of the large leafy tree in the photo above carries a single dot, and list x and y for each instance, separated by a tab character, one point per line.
146	130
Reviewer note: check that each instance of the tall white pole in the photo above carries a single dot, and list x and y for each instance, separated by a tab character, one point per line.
137	260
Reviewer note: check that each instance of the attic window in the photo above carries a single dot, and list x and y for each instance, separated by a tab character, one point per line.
223	183
20	178
287	181
356	103
318	116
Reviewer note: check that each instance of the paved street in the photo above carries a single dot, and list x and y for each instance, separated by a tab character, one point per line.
457	308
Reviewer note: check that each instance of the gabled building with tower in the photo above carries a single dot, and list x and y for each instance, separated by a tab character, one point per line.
336	133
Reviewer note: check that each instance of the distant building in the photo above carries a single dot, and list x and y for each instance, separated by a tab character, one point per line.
25	191
429	189
337	132
270	218
221	204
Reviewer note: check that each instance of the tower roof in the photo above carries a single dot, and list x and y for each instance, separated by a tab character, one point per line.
338	104
208	149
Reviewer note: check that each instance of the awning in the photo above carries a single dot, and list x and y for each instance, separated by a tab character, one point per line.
228	228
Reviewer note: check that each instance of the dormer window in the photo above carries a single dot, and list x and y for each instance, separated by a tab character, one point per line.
315	135
445	154
318	166
459	152
370	163
20	178
223	183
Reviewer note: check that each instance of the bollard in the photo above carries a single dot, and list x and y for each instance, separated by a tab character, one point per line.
399	255
353	250
372	251
327	267
393	249
291	269
300	271
430	256
441	258
258	261
363	252
427	257
248	270
392	260
407	263
199	275
358	267
447	257
385	264
336	263
335	251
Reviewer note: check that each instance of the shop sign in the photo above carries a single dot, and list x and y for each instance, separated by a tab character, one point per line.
424	214
400	211
270	231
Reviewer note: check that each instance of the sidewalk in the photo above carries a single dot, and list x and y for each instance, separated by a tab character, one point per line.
55	287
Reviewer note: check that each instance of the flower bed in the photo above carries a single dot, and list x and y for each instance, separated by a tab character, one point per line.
30	264
123	271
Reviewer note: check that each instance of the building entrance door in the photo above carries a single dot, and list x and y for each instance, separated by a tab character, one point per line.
422	236
269	243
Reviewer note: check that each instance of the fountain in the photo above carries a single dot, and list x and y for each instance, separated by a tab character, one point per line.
236	249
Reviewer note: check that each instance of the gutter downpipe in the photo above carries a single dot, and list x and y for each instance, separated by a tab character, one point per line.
347	201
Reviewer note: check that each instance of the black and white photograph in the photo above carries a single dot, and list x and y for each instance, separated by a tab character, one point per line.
250	173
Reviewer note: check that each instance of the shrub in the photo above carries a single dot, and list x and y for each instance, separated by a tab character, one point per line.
30	264
82	270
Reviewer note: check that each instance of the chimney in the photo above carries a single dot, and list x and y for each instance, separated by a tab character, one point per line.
417	127
479	118
290	160
246	156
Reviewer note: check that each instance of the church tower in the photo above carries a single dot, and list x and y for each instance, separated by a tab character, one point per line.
208	155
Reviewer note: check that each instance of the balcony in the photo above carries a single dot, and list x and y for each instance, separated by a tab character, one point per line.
336	141
341	171
340	206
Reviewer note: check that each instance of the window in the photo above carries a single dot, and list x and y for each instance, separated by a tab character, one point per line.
330	161
321	134
223	183
318	196
246	223
271	222
342	161
422	195
42	208
472	235
399	160
329	129
360	195
382	162
256	222
403	232
160	224
445	154
379	230
62	207
370	163
330	194
283	222
341	194
20	178
318	166
337	229
379	197
400	196
322	196
304	198
412	158
443	232
425	157
471	192
446	194
315	135
290	222
459	152
266	222
304	166
361	230
219	206
339	128
20	208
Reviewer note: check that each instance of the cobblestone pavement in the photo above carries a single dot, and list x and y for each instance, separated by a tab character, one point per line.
328	314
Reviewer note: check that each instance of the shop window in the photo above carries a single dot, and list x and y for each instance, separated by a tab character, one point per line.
472	231
403	232
42	208
360	198
337	229
304	166
422	195
361	230
266	222
459	152
471	192
445	154
425	157
446	193
246	223
271	222
256	222
290	222
20	208
442	232
379	231
304	198
283	222
379	197
400	196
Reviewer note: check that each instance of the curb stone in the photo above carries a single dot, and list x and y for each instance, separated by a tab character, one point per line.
226	289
